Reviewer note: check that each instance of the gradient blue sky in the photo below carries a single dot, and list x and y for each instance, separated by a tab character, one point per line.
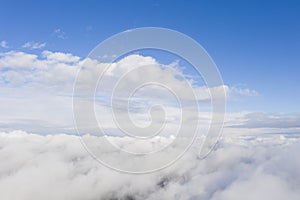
255	44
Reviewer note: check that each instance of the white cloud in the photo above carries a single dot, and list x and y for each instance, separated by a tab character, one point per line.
36	95
49	71
243	91
4	44
59	34
58	167
34	45
58	65
37	83
18	60
270	120
32	85
60	57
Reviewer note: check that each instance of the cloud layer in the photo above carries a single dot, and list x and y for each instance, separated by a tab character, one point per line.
34	84
58	167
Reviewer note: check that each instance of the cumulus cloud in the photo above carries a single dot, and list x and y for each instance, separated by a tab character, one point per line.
58	167
32	80
52	69
55	67
34	84
34	45
60	57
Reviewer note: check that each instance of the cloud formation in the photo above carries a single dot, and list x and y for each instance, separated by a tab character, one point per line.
58	167
4	44
34	45
34	84
271	120
59	34
243	91
31	70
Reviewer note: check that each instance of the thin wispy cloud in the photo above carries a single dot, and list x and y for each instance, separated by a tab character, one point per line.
59	34
270	120
244	91
4	44
34	45
88	28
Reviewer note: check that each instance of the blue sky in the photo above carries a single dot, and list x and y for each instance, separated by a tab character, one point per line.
43	45
255	44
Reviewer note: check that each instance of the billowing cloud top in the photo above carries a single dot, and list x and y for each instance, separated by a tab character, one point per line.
58	167
32	85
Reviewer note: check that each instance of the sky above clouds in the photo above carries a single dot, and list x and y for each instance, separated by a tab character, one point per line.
254	45
35	84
